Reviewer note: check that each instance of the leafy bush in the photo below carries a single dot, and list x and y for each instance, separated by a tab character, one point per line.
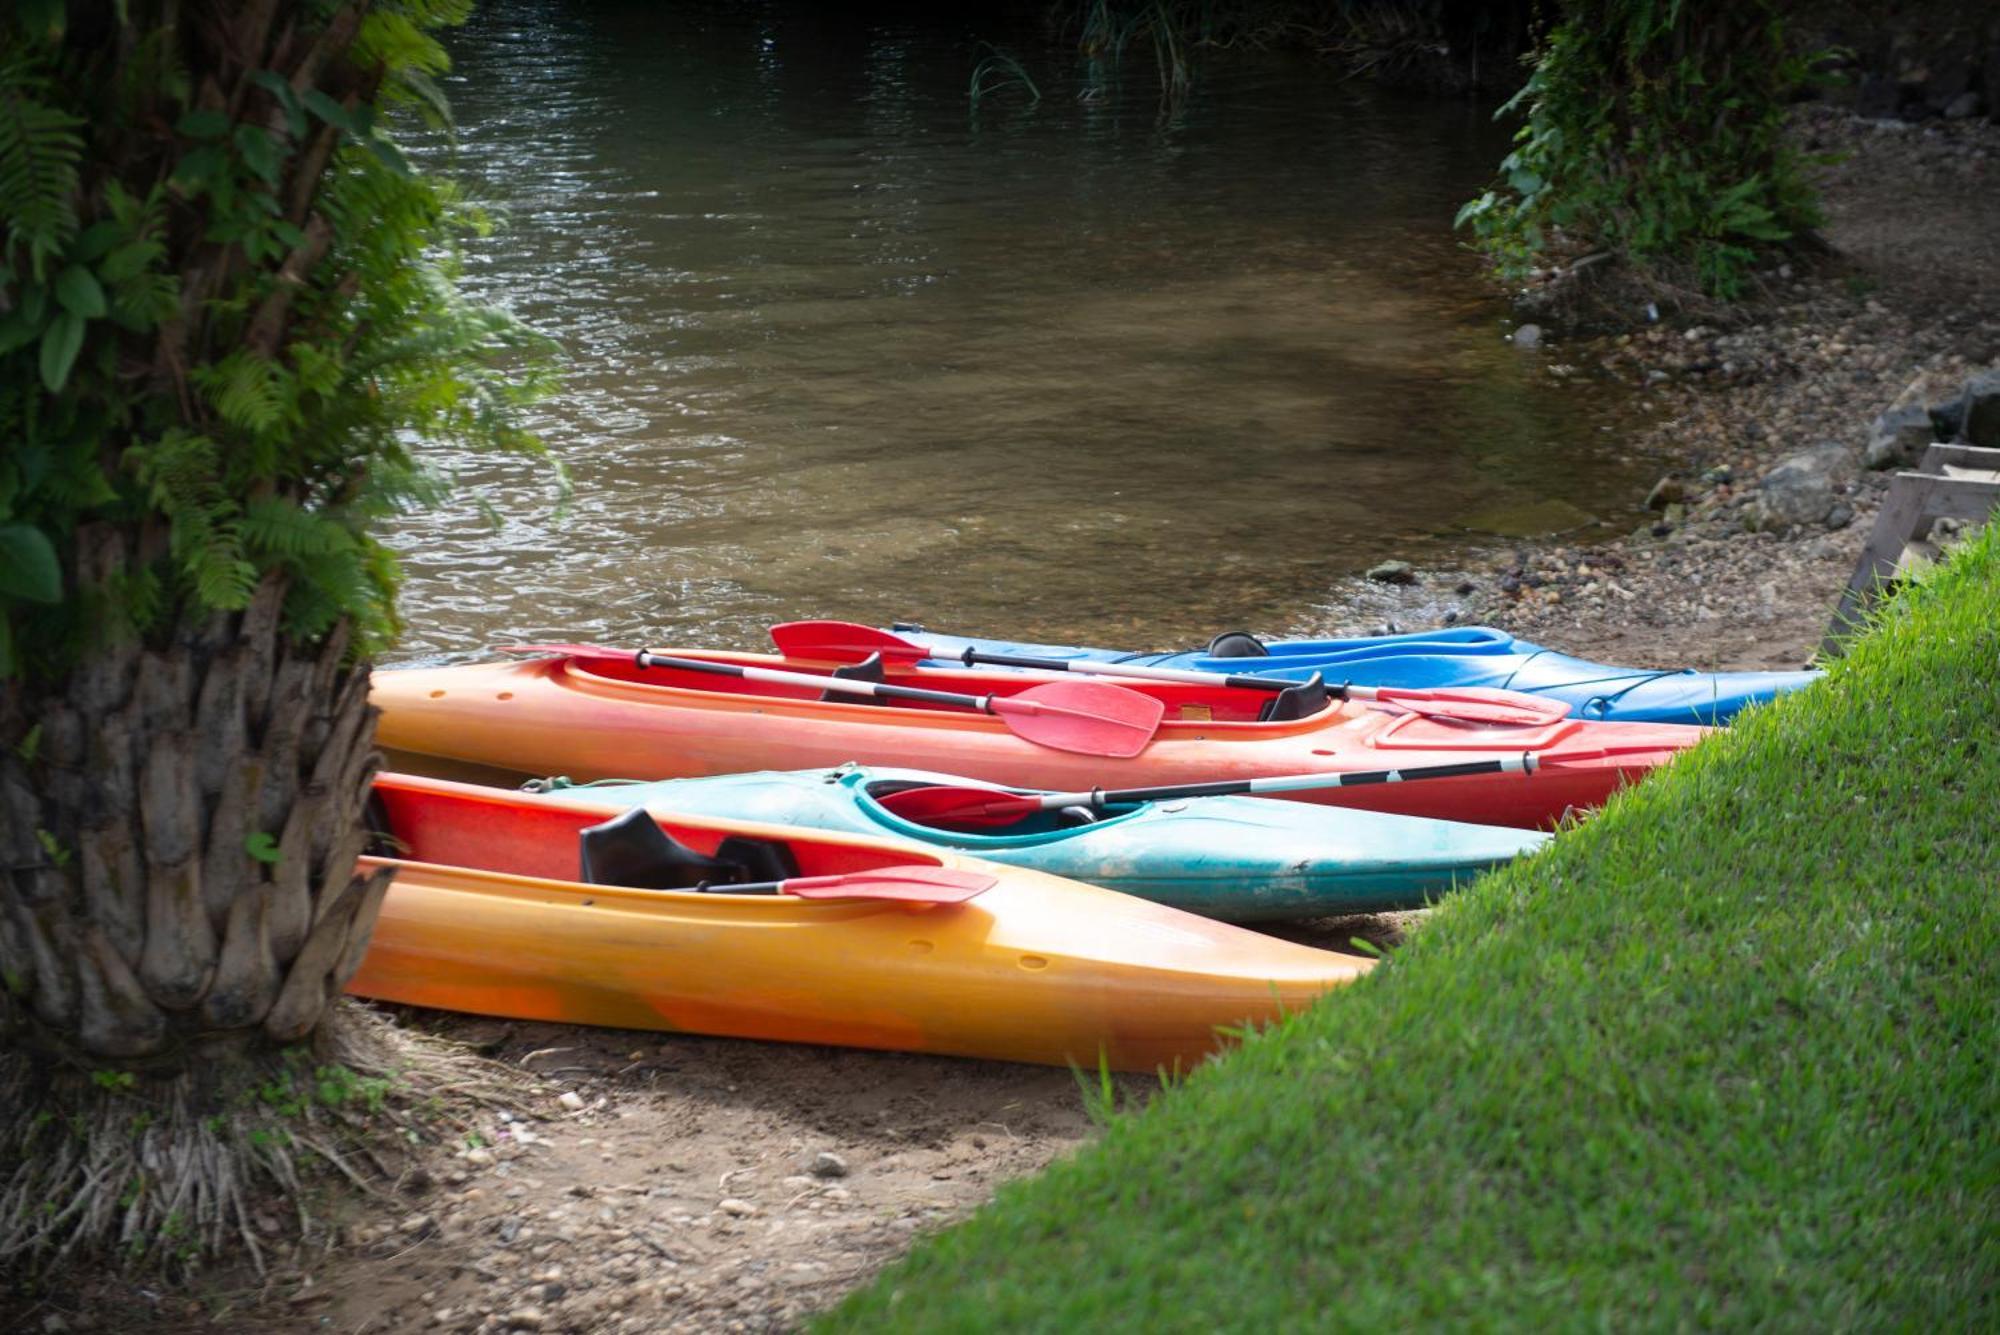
1655	131
226	315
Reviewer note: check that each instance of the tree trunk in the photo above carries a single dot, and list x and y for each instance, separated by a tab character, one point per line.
179	824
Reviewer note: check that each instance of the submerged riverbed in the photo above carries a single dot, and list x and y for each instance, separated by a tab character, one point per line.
840	343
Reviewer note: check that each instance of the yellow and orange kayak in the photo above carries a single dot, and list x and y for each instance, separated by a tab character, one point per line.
591	717
486	915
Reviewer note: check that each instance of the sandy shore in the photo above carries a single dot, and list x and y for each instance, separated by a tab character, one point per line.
695	1184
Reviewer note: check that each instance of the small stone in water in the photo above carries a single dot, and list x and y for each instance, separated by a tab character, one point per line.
828	1164
571	1100
736	1207
1528	336
1393	572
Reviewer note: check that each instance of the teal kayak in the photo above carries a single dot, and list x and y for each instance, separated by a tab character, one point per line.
1240	859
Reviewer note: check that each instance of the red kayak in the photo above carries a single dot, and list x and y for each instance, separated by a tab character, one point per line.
591	713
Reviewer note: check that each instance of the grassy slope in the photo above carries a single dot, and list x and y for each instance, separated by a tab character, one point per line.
1728	1054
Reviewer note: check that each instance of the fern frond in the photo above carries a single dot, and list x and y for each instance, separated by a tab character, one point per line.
276	525
40	150
246	391
223	580
421	91
391	41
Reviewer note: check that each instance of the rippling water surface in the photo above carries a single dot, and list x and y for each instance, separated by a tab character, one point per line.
839	344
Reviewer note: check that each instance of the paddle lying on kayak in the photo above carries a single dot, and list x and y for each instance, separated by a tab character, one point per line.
1092	718
984	806
914	885
845	639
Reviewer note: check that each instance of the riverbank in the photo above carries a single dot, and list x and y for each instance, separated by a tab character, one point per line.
1911	292
661	1181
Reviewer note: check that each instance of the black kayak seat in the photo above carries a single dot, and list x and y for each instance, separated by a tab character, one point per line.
759	859
1237	644
382	841
868	669
1295	702
633	852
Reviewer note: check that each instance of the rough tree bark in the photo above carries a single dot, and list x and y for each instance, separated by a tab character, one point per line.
222	330
138	923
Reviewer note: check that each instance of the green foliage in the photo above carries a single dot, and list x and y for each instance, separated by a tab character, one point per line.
1721	1057
1099	1090
39	152
1436	42
1654	130
28	567
228	317
58	853
298	1086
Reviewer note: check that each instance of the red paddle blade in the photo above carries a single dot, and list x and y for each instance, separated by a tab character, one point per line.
1093	718
959	807
596	652
915	884
842	640
1477	704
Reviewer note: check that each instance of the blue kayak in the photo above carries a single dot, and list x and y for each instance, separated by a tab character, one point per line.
1450	656
1241	859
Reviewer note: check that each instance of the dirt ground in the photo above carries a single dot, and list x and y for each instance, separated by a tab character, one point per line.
679	1183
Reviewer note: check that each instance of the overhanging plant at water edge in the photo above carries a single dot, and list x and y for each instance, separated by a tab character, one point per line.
226	318
1654	132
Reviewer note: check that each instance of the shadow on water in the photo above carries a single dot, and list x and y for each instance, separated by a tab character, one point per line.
841	345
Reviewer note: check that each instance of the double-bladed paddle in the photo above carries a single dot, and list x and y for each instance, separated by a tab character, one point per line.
988	806
915	884
838	640
1091	718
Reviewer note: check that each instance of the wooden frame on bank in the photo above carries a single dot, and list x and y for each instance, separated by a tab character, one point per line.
1950	482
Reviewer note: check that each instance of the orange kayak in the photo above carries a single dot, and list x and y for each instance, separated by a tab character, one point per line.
592	718
486	915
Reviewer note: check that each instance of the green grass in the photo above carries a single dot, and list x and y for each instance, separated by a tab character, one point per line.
1727	1055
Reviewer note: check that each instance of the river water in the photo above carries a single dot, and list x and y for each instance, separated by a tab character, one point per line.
841	344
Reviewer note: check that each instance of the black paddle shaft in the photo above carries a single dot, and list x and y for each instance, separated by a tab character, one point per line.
1352	778
974	657
983	703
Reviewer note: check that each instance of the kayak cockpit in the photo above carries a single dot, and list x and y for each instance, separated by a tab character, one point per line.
462	825
880	795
